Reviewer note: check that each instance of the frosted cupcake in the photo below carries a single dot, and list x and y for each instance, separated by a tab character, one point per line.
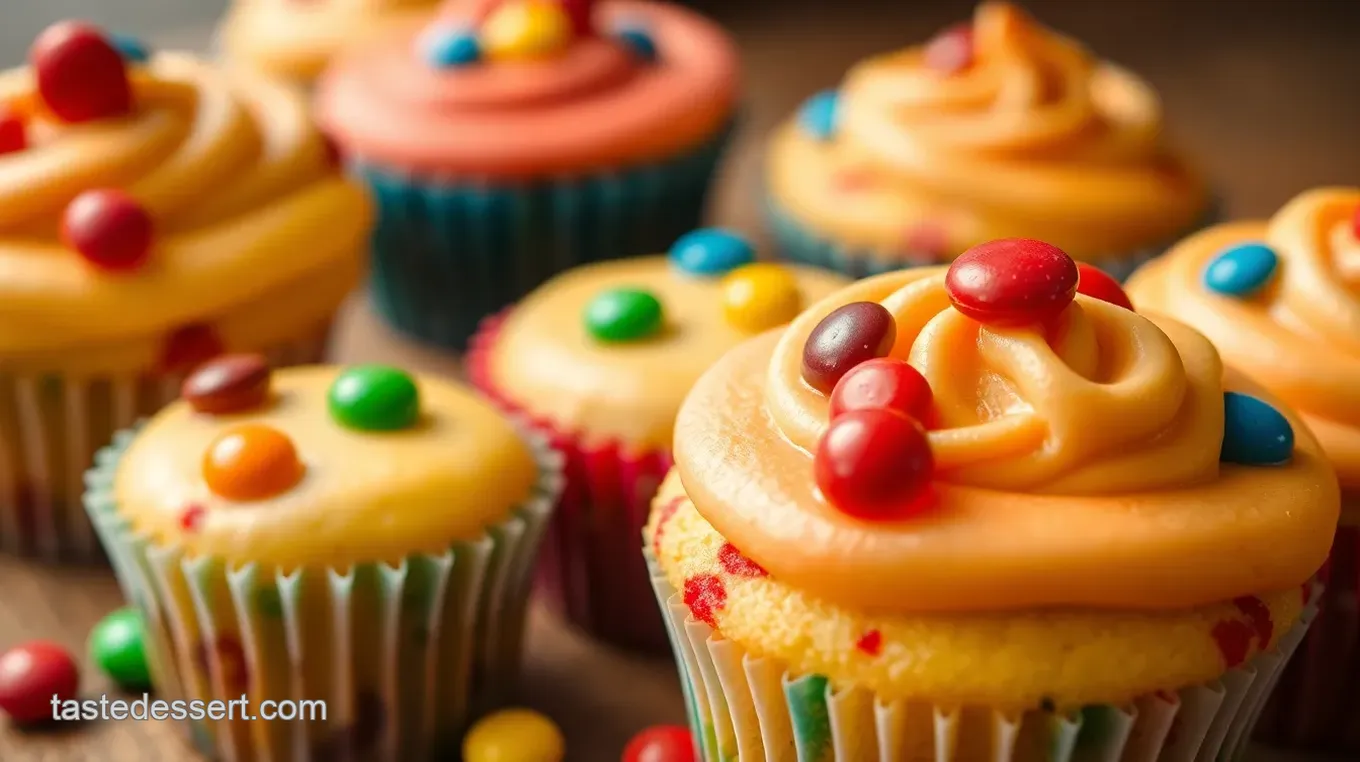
995	128
600	358
1279	298
960	514
151	209
511	140
361	536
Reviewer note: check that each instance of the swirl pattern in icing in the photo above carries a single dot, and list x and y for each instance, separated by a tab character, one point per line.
1036	139
1077	465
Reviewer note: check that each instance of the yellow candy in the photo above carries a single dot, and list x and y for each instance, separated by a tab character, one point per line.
514	735
760	296
525	29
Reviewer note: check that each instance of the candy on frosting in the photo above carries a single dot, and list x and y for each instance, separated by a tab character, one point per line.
1241	270
518	30
818	114
228	384
13	131
130	48
80	76
1012	281
711	252
374	398
448	47
624	314
639	41
760	296
848	336
874	463
882	383
251	462
109	228
1254	433
1098	284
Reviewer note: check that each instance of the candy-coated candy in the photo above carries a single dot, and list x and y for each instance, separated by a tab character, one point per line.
251	462
850	335
1012	281
661	743
109	228
1098	284
80	76
228	384
514	735
950	51
874	464
639	41
188	347
624	314
1241	270
118	647
130	48
13	132
579	11
375	398
760	296
446	48
30	675
525	29
820	114
711	251
1254	433
883	382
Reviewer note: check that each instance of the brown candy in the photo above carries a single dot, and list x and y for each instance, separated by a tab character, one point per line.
850	335
228	384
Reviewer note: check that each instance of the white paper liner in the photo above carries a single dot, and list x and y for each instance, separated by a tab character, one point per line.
51	425
749	708
403	655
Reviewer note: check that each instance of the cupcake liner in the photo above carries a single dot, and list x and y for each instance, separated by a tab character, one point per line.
52	424
590	572
743	706
403	654
447	252
1317	705
797	243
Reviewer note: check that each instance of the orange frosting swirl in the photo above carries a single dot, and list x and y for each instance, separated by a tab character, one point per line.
1076	464
593	106
1300	334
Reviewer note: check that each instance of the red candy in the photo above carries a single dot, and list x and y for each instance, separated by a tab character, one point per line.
1012	281
188	347
1355	223
1098	284
850	335
13	133
579	11
81	76
883	382
109	228
950	51
662	743
30	675
874	464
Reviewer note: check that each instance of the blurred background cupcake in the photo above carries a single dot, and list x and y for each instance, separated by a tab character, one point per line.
154	211
294	40
511	140
1278	297
600	358
991	129
892	532
362	537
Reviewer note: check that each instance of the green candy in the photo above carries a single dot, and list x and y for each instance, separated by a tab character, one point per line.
624	314
374	398
118	647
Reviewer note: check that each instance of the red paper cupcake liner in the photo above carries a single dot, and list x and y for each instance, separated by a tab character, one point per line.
590	571
1317	703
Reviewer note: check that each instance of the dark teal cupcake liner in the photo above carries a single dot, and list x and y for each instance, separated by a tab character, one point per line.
448	252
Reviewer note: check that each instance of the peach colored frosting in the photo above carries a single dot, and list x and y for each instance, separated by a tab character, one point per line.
595	105
1300	334
1076	464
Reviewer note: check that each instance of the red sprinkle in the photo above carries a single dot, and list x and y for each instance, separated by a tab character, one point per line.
733	562
13	134
1258	614
870	643
1233	637
190	346
951	51
192	517
705	596
667	513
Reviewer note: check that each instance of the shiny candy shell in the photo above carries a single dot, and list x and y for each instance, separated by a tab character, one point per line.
1098	284
81	77
711	251
883	382
1012	281
251	462
374	398
580	12
228	384
874	464
118	647
525	29
661	743
30	675
760	296
514	735
850	335
446	48
639	41
819	114
1254	433
1241	270
13	131
624	314
109	228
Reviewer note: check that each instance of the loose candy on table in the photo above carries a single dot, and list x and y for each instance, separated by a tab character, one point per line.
760	296
251	462
374	398
819	114
519	30
952	50
449	48
13	131
1241	270
874	464
711	251
661	743
228	384
1012	281
851	334
624	314
514	735
118	647
882	383
1098	284
109	228
80	76
30	675
639	41
1254	432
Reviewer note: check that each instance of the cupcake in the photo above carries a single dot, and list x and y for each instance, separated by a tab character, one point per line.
960	514
998	128
600	358
1281	300
155	211
294	40
511	140
356	536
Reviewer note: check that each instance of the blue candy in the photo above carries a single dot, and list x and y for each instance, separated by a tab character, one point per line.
638	41
1241	270
1254	433
130	48
451	48
711	252
819	114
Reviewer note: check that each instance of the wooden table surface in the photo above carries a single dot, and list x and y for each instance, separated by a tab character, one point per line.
1265	96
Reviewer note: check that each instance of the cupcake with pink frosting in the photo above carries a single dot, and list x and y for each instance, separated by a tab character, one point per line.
511	139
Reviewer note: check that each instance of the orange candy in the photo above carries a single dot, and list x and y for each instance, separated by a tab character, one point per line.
251	462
